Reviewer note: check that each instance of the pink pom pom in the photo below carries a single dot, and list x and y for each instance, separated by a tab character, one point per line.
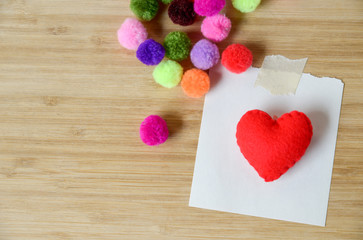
153	130
131	33
208	7
216	28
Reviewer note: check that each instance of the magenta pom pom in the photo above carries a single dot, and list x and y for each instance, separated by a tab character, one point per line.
208	7
131	33
216	28
150	52
204	54
153	130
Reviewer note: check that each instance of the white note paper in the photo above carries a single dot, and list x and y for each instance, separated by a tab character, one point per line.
224	181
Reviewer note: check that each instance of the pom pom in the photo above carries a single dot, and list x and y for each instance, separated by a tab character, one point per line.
177	46
273	146
208	7
182	12
144	9
150	52
131	33
195	83
166	1
204	54
153	130
216	28
168	73
237	58
246	6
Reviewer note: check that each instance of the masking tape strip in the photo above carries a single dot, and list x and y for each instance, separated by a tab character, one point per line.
280	75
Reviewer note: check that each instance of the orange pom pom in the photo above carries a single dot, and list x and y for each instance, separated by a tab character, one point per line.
195	83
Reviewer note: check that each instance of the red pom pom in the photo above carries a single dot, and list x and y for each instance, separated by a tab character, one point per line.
273	146
237	58
182	12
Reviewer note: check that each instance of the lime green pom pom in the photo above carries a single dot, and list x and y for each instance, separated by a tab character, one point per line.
168	73
144	9
166	1
246	6
177	46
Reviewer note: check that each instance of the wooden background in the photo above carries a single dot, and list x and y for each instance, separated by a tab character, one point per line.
71	101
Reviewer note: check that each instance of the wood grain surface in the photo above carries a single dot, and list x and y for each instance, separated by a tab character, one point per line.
72	165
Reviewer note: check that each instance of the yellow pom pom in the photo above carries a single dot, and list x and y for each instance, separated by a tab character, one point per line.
168	73
246	6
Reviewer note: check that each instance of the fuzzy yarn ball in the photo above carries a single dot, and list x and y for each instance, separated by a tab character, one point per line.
182	12
246	6
168	73
272	146
177	46
208	7
216	28
154	130
150	52
144	9
237	58
204	54
195	83
131	33
166	1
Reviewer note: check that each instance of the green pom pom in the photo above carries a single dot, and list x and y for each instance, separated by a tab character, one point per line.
166	1
144	9
177	46
246	6
168	73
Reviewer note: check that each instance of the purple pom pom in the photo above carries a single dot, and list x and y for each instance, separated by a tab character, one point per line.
204	54
150	52
153	130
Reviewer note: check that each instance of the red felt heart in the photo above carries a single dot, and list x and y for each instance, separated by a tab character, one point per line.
273	146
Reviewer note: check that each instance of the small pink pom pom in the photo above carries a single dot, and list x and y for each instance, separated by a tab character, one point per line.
131	33
153	130
216	28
